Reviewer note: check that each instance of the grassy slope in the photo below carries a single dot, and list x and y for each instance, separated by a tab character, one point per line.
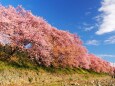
18	70
14	76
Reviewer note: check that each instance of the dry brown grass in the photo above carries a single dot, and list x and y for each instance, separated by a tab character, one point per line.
27	77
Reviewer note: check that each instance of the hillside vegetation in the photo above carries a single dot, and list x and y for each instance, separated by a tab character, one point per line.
19	70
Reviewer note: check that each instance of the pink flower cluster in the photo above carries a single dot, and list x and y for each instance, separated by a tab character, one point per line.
48	45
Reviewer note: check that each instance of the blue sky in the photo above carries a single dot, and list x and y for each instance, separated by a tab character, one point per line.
92	20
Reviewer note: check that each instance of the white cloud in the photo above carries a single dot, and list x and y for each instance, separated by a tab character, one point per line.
107	18
110	40
85	24
106	55
92	42
89	28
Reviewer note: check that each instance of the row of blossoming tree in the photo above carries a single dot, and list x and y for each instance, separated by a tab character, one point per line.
46	44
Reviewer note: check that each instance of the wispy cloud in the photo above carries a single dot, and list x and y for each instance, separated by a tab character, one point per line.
106	56
110	40
89	28
92	42
87	13
107	17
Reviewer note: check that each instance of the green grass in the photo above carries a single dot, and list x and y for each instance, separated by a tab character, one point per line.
18	70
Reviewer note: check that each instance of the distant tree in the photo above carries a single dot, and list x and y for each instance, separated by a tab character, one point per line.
100	65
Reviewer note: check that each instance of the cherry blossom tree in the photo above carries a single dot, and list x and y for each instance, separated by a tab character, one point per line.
45	43
100	65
